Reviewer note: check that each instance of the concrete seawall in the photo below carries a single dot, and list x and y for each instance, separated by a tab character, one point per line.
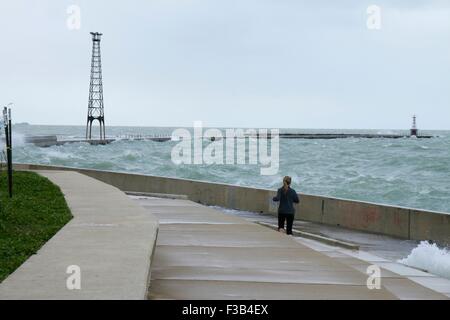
406	223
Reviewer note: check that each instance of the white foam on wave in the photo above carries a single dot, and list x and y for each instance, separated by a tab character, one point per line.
18	139
131	154
428	256
59	154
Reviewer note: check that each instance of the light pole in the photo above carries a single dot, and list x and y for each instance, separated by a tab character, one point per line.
8	140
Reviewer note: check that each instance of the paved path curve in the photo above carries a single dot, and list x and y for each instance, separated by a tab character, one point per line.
110	238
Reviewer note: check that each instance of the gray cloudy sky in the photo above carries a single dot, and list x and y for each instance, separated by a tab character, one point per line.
251	63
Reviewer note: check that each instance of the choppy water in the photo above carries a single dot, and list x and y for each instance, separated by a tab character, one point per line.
405	172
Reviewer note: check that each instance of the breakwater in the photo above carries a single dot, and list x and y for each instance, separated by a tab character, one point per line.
52	140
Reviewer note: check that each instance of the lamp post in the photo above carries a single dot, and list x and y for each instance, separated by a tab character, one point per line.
8	140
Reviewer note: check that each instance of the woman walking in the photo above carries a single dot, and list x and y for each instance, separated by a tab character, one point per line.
286	211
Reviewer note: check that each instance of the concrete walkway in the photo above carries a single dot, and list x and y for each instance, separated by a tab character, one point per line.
110	238
202	253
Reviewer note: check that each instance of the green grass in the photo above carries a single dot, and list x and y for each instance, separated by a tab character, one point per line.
27	221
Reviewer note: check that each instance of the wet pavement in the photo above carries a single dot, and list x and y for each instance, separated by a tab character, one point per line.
384	246
203	253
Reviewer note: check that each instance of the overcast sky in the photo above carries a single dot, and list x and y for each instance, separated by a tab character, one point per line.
244	63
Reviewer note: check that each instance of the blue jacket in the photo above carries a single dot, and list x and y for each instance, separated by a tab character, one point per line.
287	200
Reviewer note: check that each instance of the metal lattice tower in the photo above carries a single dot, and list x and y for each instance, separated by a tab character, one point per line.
95	105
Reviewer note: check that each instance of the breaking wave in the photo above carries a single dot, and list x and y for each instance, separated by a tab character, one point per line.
428	256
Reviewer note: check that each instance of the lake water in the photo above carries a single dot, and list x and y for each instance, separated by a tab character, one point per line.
405	172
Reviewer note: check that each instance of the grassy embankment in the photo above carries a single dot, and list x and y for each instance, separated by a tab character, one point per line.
27	221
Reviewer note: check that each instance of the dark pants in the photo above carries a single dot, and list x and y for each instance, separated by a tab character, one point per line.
289	218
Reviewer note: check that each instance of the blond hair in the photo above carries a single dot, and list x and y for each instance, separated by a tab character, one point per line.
287	182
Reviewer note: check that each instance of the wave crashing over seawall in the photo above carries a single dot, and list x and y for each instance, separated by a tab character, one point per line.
428	256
